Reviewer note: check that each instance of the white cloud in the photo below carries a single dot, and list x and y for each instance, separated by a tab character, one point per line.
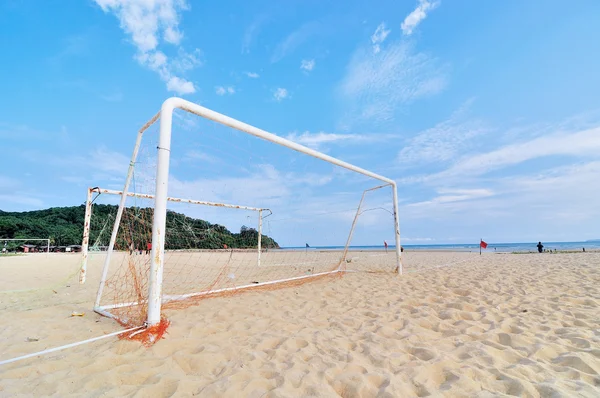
264	185
375	84
7	183
147	21
316	140
417	15
199	156
186	61
406	239
579	144
180	86
109	161
545	175
280	94
221	90
565	191
173	36
444	141
556	204
252	75
293	40
301	202
251	33
455	195
379	37
307	64
22	199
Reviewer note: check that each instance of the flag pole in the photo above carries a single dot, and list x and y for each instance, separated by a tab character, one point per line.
480	240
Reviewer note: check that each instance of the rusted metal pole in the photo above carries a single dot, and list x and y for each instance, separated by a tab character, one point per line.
86	237
159	221
399	267
259	235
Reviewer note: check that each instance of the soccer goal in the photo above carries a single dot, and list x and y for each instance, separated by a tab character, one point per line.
227	207
144	244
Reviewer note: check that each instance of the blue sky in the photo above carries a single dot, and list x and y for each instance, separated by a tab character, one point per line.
486	113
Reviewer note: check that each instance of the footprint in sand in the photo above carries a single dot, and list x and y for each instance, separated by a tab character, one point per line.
422	353
575	362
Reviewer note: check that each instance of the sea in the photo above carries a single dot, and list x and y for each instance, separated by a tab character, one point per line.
467	247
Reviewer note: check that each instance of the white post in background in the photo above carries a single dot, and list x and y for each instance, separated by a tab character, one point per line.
259	234
86	237
48	248
349	239
397	230
160	215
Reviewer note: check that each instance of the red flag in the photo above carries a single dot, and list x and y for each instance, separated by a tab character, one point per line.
483	244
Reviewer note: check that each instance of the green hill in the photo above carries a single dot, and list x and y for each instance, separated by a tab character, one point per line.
64	226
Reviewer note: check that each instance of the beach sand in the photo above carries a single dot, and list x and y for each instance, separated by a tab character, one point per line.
455	324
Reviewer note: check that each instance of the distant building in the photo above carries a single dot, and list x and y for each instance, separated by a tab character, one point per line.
28	248
73	248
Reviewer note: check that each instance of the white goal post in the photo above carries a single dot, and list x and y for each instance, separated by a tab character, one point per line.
88	217
155	297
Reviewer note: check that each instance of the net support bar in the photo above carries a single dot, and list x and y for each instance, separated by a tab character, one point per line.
162	178
170	199
105	309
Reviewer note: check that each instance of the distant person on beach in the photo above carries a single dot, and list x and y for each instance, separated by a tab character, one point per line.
540	247
584	249
148	247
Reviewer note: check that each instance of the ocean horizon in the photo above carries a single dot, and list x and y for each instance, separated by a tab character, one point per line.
462	247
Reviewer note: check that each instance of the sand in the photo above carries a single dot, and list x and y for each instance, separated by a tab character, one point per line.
455	324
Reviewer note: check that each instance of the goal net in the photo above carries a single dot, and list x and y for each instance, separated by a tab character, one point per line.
225	208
